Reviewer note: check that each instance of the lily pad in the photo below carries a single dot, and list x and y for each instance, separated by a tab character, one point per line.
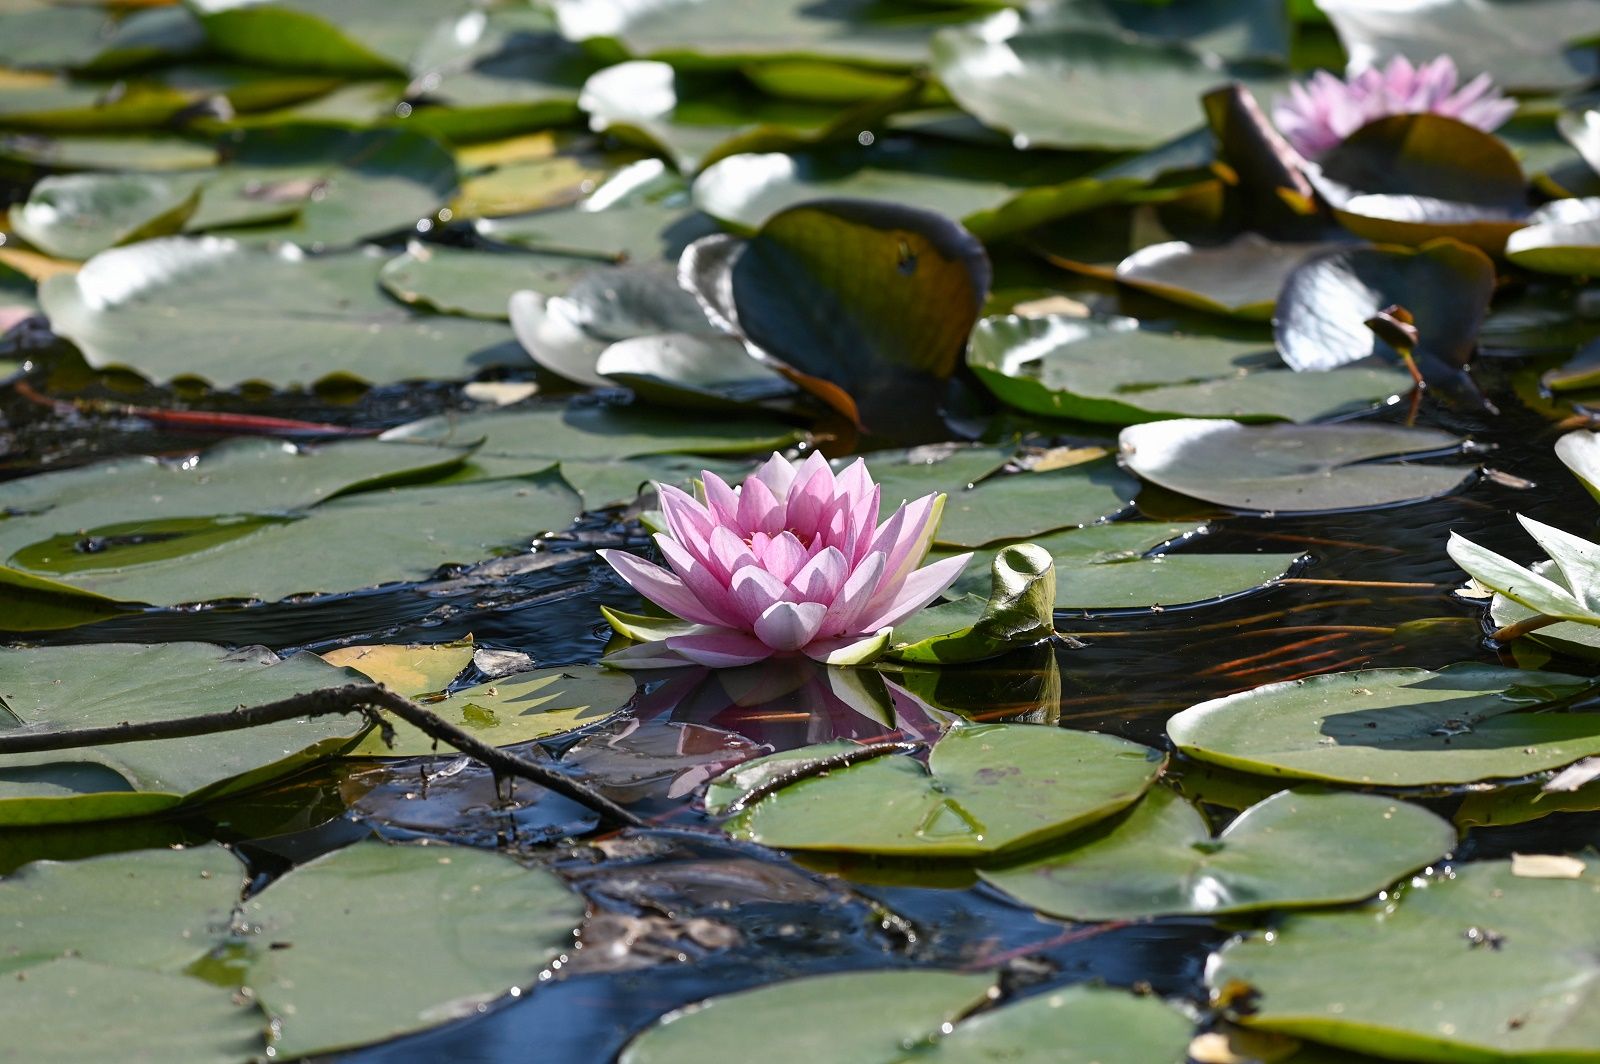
1297	849
485	923
1394	727
1520	953
1291	468
1112	370
414	669
102	684
88	39
354	36
1130	565
889	295
1522	44
1562	237
150	911
1411	178
1019	612
1327	301
1256	29
1075	1025
1076	87
1240	279
217	310
475	283
145	153
75	216
986	789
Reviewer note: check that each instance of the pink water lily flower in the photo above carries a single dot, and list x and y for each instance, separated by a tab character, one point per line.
1320	113
792	560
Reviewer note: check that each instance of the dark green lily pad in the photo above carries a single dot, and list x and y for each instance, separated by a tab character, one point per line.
1562	237
147	153
1019	612
1522	44
866	305
986	789
90	686
1254	29
1291	468
1126	565
1111	370
60	105
1394	727
1411	178
87	39
1326	302
1077	88
353	37
220	311
75	216
1294	850
485	923
638	232
1520	953
475	283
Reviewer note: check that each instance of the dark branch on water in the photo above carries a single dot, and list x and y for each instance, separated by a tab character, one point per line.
365	699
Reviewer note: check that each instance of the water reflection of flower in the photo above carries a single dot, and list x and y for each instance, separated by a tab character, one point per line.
1322	111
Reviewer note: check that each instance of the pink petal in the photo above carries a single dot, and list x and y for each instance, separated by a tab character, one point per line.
755	591
776	473
920	588
660	587
790	625
784	556
729	554
904	547
809	501
858	590
759	509
720	648
701	582
821	578
688	521
721	500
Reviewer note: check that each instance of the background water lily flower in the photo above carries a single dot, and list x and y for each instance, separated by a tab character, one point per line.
793	560
1324	110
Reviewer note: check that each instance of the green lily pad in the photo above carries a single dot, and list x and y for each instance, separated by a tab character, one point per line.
695	371
1394	727
1522	44
475	283
1294	850
75	216
1412	178
1254	29
1112	370
485	923
1291	468
353	36
638	232
1562	237
151	911
1076	87
74	1010
1075	1025
1326	302
1126	565
220	311
1520	953
146	153
1019	612
324	187
986	789
866	305
102	684
984	505
1240	279
89	40
59	105
414	669
743	779
1582	130
1574	638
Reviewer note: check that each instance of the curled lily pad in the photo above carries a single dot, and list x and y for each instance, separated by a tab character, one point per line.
487	924
889	296
709	371
77	215
1019	612
1394	727
1562	237
1520	953
986	789
1292	468
1296	849
1327	301
1113	370
1241	278
104	684
1408	179
214	309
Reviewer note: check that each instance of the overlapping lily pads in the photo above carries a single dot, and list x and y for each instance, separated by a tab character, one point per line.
80	687
1296	849
74	216
1112	370
1292	468
1395	727
986	789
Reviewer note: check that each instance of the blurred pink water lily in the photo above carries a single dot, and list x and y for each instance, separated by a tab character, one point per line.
1320	113
794	560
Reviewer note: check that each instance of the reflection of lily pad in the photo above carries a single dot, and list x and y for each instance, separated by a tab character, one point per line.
1291	468
1394	727
1293	850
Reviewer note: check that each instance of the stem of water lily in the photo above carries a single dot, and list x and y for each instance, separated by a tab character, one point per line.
1531	624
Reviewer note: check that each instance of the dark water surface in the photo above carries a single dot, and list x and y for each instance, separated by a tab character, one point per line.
1376	589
